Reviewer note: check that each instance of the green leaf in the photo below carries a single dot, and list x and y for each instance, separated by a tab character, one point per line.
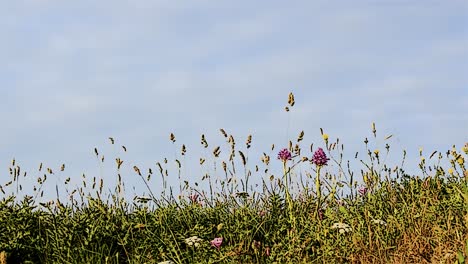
461	258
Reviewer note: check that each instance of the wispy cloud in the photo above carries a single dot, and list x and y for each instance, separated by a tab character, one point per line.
138	71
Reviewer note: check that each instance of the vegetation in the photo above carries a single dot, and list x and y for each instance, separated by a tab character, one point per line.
314	209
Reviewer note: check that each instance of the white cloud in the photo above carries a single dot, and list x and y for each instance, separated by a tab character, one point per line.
90	70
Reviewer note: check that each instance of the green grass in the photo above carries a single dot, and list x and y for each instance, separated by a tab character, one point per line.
302	214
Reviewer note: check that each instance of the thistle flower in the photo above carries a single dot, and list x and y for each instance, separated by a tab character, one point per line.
342	227
284	155
193	241
217	242
320	158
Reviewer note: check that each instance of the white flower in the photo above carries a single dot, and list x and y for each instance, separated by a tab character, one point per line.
379	222
193	241
342	227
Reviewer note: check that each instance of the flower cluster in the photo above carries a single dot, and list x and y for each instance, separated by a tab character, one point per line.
284	155
193	241
320	158
217	242
342	227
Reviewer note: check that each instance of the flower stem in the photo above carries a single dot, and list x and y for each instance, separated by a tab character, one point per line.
288	195
318	191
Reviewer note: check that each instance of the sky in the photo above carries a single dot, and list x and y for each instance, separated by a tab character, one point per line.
75	73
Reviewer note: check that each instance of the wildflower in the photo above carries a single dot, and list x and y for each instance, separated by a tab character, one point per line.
363	190
217	242
325	137
342	227
167	262
465	148
320	214
262	213
376	152
320	158
193	241
450	171
256	244
461	160
379	222
284	155
267	251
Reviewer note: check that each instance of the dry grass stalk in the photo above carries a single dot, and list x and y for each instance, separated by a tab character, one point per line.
3	258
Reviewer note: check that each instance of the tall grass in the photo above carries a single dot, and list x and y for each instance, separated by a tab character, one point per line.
324	213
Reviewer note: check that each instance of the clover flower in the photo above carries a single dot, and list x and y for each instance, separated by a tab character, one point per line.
379	222
284	155
320	158
217	242
342	227
193	241
256	244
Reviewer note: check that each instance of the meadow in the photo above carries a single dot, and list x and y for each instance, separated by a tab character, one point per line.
315	208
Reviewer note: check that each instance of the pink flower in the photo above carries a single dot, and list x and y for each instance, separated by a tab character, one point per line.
217	242
320	214
267	251
284	155
320	158
362	191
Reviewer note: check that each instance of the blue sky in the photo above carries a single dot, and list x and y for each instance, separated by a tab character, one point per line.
75	73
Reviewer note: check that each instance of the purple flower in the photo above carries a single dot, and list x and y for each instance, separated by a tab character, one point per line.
362	191
284	155
217	242
320	158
